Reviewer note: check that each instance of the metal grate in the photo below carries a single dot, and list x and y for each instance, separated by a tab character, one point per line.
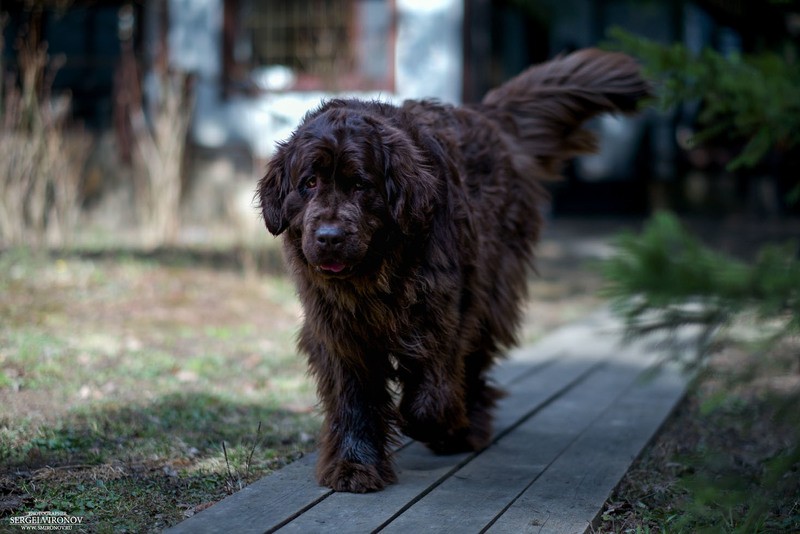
312	37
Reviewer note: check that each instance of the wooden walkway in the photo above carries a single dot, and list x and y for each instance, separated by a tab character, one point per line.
581	407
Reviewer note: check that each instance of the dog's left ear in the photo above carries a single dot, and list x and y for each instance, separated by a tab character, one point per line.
272	191
410	183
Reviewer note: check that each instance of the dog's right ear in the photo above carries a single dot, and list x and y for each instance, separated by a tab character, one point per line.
272	191
409	181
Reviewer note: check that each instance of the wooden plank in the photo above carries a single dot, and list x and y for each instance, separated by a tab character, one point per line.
571	492
471	498
557	344
541	380
276	499
270	501
350	512
419	470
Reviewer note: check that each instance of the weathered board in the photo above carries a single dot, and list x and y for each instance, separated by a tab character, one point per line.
578	412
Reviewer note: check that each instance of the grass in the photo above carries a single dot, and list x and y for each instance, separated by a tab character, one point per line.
136	392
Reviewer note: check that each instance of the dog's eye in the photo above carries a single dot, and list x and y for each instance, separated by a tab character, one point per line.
307	186
360	184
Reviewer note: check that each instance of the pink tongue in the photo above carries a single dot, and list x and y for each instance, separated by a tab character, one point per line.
333	267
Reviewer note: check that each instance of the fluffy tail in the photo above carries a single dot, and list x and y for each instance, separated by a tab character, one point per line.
545	106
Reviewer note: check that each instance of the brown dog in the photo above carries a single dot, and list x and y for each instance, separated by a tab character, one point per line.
409	231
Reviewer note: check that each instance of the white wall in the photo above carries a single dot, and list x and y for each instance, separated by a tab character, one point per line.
429	49
428	64
195	36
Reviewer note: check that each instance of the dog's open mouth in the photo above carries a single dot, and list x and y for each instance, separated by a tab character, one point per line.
333	267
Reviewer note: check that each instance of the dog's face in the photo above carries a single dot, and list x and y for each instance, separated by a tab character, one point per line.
341	185
338	202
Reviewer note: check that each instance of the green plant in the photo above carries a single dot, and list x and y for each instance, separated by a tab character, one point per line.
665	278
750	100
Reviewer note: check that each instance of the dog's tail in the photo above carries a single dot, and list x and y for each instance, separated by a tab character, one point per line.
544	107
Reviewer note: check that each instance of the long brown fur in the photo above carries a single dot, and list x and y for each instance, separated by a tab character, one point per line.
410	232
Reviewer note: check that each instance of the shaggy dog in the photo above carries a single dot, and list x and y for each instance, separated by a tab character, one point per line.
409	232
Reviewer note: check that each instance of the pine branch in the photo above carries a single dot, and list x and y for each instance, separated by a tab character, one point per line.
753	99
664	279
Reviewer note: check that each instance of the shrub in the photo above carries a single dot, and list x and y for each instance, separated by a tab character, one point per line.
41	163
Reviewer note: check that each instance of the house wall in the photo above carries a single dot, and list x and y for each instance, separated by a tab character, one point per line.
195	36
430	49
428	64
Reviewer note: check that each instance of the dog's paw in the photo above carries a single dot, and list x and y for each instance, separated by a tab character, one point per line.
464	440
428	415
459	435
343	475
441	440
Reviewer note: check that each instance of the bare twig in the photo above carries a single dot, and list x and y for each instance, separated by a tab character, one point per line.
252	451
232	482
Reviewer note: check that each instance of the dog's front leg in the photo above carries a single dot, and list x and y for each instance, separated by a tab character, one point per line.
433	408
358	414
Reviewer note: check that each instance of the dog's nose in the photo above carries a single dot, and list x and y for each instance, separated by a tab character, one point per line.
329	235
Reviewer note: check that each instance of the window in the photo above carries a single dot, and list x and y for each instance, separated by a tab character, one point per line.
279	45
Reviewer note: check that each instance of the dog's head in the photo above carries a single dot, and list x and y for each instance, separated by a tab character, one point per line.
346	181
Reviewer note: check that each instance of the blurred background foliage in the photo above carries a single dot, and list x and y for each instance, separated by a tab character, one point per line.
751	99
